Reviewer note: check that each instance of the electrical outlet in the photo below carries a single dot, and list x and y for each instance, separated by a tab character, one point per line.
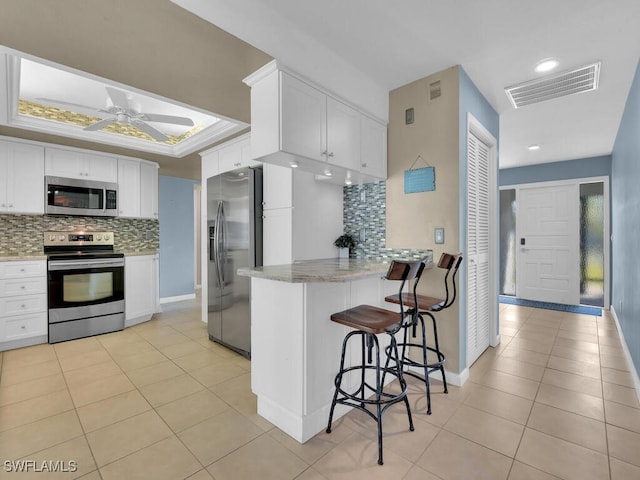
362	235
438	235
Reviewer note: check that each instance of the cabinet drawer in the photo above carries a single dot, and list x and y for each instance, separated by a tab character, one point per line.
22	286
23	269
23	326
25	304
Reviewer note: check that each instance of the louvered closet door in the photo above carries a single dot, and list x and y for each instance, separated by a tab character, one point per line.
478	331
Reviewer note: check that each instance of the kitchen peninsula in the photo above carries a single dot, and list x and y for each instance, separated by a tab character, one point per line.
295	348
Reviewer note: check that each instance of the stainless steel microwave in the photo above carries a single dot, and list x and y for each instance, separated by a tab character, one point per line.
73	196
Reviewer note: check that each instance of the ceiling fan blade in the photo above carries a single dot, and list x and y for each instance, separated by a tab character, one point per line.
100	125
149	130
118	97
156	117
84	109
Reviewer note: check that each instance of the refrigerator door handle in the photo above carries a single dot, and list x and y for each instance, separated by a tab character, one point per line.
216	245
222	243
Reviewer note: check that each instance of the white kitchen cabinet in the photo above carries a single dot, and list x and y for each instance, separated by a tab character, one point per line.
277	191
373	159
23	303
236	155
304	119
295	122
317	126
277	236
83	165
149	190
141	288
21	178
343	135
301	217
128	188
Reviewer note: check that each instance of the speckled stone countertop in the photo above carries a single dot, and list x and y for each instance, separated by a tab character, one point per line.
21	257
320	271
134	253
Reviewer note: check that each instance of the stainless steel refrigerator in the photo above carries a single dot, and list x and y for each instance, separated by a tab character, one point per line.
234	223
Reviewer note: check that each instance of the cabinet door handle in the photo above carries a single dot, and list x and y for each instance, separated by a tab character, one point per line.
325	153
330	155
364	165
22	287
23	327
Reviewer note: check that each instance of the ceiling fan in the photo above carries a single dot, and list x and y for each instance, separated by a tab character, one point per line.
121	112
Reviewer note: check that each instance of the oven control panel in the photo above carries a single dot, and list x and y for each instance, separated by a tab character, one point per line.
77	238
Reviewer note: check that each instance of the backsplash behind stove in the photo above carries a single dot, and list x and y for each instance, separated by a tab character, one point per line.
23	234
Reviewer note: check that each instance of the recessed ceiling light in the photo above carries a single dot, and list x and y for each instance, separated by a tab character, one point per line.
534	147
328	173
546	65
294	164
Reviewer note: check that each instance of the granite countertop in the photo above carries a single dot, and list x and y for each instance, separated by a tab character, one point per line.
320	271
14	257
134	253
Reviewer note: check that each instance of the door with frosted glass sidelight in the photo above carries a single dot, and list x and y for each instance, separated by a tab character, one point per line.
548	244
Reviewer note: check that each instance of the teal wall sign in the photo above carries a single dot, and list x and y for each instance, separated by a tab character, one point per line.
420	180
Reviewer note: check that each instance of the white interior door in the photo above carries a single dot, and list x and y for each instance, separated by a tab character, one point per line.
548	244
480	184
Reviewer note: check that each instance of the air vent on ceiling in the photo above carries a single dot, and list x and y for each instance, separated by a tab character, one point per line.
583	79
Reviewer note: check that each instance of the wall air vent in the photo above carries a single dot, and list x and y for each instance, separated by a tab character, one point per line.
581	80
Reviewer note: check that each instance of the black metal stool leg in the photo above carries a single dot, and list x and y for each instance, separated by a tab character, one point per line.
425	352
338	381
438	353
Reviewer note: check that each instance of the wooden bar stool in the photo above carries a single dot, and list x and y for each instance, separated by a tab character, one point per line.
421	305
368	322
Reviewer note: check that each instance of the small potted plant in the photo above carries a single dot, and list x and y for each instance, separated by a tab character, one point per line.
345	243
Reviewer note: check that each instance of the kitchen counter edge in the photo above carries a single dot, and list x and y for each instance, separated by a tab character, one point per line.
319	271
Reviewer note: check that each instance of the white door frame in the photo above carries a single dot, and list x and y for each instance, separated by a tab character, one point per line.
478	130
607	221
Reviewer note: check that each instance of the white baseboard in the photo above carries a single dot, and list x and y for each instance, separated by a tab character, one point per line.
457	379
178	298
627	354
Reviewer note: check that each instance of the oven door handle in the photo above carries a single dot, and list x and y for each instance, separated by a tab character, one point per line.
82	264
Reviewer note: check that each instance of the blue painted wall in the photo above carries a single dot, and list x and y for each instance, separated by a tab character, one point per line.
625	172
471	101
548	172
177	251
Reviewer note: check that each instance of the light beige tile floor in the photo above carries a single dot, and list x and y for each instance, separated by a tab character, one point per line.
160	401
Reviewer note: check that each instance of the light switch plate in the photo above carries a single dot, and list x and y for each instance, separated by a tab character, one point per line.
438	235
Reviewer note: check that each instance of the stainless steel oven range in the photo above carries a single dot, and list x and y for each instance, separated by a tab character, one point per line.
85	284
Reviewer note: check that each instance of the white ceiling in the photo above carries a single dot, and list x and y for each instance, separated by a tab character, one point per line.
372	46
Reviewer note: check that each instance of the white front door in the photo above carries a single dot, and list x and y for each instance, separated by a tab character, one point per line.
548	244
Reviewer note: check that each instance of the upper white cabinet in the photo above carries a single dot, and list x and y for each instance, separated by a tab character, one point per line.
343	135
149	190
21	178
295	122
128	188
83	165
137	189
373	158
304	119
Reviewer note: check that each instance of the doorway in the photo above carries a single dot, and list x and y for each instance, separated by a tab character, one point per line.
554	242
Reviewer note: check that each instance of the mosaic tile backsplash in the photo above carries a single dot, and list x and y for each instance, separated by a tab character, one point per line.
365	211
23	234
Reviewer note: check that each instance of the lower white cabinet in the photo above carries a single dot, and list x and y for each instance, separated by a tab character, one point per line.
23	303
141	293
